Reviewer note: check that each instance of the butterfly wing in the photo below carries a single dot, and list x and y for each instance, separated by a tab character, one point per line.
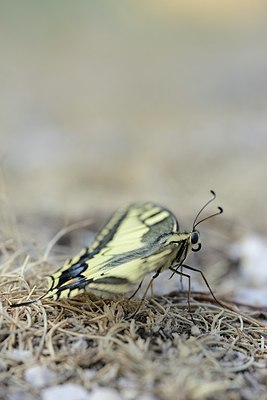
124	251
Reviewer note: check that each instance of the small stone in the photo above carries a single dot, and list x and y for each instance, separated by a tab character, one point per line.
20	355
80	345
39	376
102	393
195	331
147	397
68	391
17	394
89	373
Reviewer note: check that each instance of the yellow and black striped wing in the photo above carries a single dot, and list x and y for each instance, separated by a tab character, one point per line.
124	251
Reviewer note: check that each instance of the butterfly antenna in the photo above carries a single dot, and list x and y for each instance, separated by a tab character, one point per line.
196	223
210	216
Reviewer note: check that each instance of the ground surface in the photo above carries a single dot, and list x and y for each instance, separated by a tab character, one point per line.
90	343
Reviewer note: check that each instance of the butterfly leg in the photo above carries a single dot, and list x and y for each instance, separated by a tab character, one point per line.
144	295
138	287
175	271
151	283
206	282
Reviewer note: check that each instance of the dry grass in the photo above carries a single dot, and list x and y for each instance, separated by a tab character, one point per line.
88	340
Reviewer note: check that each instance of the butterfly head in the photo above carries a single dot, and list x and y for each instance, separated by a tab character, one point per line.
195	240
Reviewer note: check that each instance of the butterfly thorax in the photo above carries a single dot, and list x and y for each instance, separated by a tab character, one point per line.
179	245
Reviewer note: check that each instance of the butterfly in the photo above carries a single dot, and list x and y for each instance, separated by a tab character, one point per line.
139	239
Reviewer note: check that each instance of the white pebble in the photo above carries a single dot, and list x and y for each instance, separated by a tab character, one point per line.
68	391
195	331
147	397
39	376
252	251
20	355
104	394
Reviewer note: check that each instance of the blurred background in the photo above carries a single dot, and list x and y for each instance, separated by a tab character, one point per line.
104	102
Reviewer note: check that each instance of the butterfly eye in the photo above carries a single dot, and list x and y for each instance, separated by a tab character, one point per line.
194	237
